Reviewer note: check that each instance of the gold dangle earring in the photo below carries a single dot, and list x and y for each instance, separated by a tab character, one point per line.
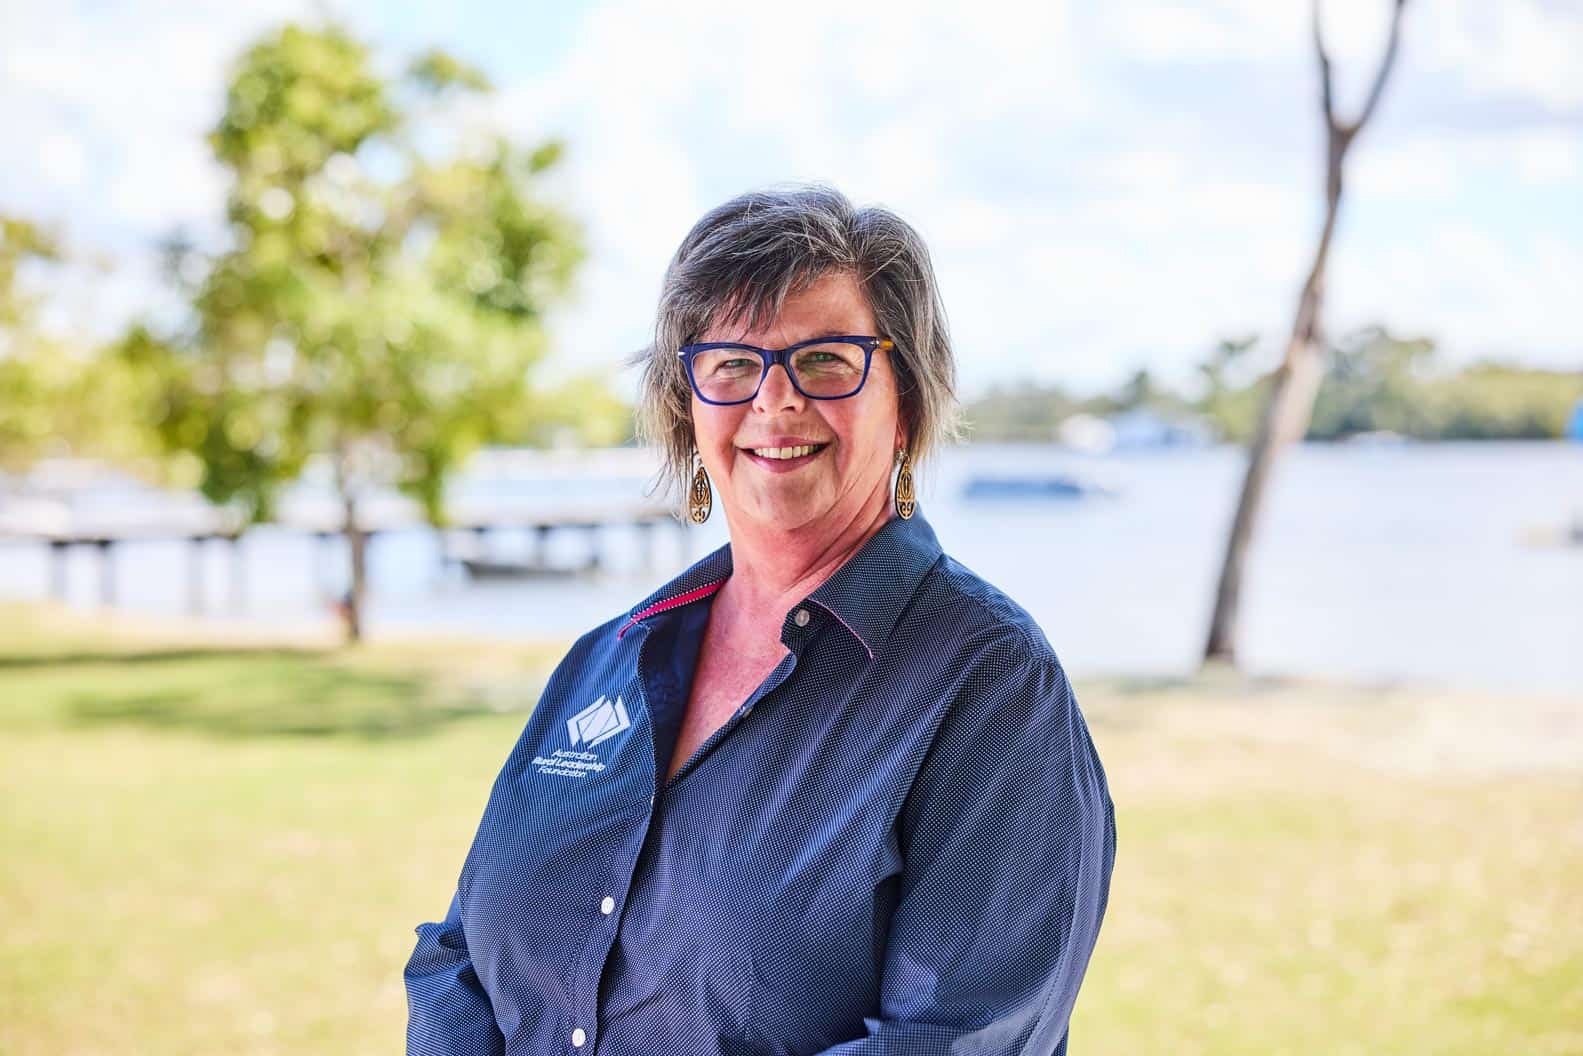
906	501
700	499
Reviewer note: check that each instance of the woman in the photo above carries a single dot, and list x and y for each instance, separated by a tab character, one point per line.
826	791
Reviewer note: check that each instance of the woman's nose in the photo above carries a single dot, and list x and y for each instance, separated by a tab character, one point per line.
777	392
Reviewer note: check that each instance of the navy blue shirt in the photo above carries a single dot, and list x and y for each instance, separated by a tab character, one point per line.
900	843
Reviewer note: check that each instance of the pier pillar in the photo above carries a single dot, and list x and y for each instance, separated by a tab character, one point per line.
322	560
195	591
238	573
59	550
541	545
645	533
106	548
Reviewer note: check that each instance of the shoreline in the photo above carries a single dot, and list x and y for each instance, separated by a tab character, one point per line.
1395	725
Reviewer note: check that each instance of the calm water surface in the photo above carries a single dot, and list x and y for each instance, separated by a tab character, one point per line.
1410	562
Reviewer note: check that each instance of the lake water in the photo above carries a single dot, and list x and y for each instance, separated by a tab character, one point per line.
1392	562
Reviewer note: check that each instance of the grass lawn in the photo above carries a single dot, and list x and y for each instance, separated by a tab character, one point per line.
220	847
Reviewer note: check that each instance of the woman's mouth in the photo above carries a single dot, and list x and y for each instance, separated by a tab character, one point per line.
781	459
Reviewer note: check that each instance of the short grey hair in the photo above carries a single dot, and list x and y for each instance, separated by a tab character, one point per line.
741	261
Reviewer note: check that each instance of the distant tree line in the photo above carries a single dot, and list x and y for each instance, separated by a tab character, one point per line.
378	301
1373	382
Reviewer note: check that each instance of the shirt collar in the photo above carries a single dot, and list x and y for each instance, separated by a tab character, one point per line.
699	581
866	594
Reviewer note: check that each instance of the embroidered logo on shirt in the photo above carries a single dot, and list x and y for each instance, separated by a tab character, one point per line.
598	722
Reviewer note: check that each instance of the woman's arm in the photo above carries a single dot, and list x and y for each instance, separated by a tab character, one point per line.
1009	838
448	1012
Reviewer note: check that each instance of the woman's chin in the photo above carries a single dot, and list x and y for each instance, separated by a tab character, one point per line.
785	509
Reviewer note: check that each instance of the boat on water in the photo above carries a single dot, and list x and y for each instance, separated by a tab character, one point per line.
482	563
1033	486
496	569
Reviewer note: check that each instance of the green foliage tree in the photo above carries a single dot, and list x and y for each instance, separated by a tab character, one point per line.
582	410
1373	381
1496	400
380	302
1025	412
1140	391
25	419
1376	382
1228	404
60	394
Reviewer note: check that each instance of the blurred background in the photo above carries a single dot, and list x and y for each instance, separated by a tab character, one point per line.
316	452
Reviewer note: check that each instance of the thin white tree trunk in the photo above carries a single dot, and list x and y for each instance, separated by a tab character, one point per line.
351	607
1289	405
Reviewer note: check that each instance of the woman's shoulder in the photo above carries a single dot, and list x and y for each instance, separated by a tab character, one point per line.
1009	726
955	603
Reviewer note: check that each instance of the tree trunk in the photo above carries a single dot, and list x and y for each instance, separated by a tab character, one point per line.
357	547
1289	405
1285	418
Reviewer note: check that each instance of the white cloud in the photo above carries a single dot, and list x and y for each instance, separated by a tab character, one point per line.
1515	48
1417	170
1548	158
1100	185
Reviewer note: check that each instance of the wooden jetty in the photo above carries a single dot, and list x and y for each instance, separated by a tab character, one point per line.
197	528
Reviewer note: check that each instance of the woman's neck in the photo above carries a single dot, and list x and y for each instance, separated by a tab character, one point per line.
771	570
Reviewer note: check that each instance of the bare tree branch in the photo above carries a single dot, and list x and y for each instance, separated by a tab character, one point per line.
1324	68
1295	383
1385	69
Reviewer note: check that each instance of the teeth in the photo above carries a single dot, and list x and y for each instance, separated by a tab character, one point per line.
784	452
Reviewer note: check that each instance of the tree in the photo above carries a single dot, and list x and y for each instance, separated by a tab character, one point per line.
380	302
1225	402
1140	392
1290	399
25	426
1375	382
60	394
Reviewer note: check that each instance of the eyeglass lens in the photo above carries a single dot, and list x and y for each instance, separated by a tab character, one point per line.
830	369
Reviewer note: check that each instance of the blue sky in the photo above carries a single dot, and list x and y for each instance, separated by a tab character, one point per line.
1102	187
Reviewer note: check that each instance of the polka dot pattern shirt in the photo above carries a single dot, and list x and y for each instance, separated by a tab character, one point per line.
901	843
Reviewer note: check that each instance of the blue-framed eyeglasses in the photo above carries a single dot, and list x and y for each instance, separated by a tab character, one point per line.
825	368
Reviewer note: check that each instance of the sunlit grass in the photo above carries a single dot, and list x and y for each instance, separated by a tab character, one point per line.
225	849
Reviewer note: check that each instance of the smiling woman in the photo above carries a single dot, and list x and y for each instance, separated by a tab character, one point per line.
791	450
826	791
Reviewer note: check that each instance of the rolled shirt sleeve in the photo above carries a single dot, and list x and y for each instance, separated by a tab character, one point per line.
449	1013
1009	841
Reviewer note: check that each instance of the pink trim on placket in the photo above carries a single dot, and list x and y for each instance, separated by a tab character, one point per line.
670	603
860	640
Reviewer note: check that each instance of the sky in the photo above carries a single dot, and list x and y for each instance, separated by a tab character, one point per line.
1103	186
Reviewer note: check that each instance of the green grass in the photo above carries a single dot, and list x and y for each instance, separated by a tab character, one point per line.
225	849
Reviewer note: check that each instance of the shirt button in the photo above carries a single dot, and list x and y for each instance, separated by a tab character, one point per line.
578	1037
607	905
801	618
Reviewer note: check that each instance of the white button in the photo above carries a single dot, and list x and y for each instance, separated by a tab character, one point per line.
801	617
578	1037
606	905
